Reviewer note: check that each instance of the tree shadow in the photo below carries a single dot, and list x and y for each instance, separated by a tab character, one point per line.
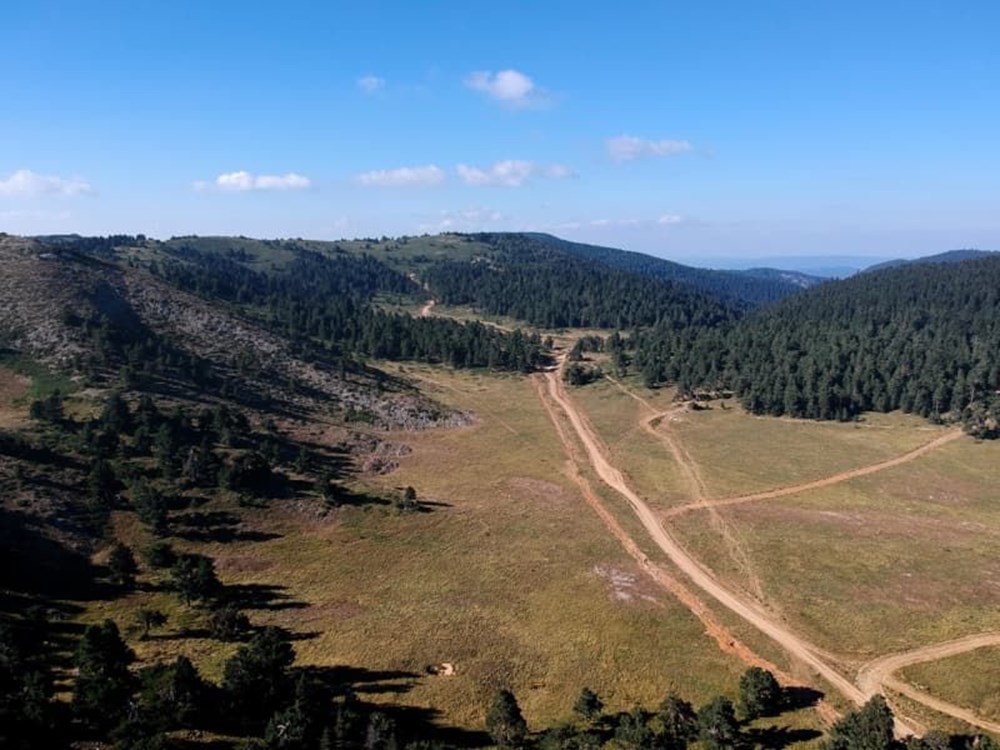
364	681
215	526
777	738
798	697
261	596
35	565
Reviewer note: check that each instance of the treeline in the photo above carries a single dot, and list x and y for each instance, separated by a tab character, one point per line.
922	338
527	279
329	300
740	288
271	704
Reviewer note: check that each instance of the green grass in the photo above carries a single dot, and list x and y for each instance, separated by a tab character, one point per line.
507	578
884	563
968	680
741	453
44	382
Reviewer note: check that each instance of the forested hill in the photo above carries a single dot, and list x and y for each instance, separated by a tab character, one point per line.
530	279
951	256
753	287
922	338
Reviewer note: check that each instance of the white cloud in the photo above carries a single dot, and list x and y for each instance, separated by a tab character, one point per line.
665	220
24	182
629	147
370	83
425	176
511	173
465	220
245	181
509	87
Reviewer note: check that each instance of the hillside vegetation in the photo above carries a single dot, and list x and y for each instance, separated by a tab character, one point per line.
921	338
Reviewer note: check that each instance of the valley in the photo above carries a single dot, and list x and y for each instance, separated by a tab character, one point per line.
434	504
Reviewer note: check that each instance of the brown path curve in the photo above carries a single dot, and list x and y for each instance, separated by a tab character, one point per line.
692	568
724	638
843	476
879	673
425	311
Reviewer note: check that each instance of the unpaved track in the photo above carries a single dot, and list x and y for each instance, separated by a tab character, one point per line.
699	575
881	672
425	311
877	675
816	484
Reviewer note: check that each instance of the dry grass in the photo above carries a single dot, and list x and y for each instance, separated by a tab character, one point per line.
879	564
969	680
741	453
510	577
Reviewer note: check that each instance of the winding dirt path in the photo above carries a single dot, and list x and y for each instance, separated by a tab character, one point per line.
881	672
843	476
699	575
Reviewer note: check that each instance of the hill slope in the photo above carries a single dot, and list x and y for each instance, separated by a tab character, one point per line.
753	287
921	338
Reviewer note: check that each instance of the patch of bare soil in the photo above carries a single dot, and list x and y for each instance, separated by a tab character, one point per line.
625	585
539	489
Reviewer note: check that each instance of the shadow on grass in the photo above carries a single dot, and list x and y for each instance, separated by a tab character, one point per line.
261	596
215	526
777	738
795	698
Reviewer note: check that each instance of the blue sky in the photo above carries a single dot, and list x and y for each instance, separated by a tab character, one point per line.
697	131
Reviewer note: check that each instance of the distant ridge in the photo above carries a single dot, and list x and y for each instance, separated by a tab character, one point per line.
951	256
755	287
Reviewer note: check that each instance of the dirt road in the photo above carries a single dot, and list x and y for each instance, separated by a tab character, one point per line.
843	476
875	675
425	311
699	575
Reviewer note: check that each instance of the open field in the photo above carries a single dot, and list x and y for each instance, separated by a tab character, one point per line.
969	680
509	577
513	579
785	553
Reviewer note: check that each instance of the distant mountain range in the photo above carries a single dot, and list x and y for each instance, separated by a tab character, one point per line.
951	256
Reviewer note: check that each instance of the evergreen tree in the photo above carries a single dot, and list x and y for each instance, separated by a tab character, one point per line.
868	728
760	693
717	725
588	706
256	678
504	721
103	683
122	565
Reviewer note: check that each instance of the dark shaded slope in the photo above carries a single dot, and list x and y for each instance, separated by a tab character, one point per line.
531	279
753	288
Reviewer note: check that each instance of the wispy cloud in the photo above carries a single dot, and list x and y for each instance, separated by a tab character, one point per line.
239	182
424	176
465	220
512	88
629	147
511	173
29	184
370	83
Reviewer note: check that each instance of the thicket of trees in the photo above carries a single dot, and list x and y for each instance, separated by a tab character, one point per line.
274	705
921	338
329	300
741	288
525	279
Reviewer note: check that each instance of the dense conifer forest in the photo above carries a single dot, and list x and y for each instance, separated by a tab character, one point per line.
528	279
922	338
